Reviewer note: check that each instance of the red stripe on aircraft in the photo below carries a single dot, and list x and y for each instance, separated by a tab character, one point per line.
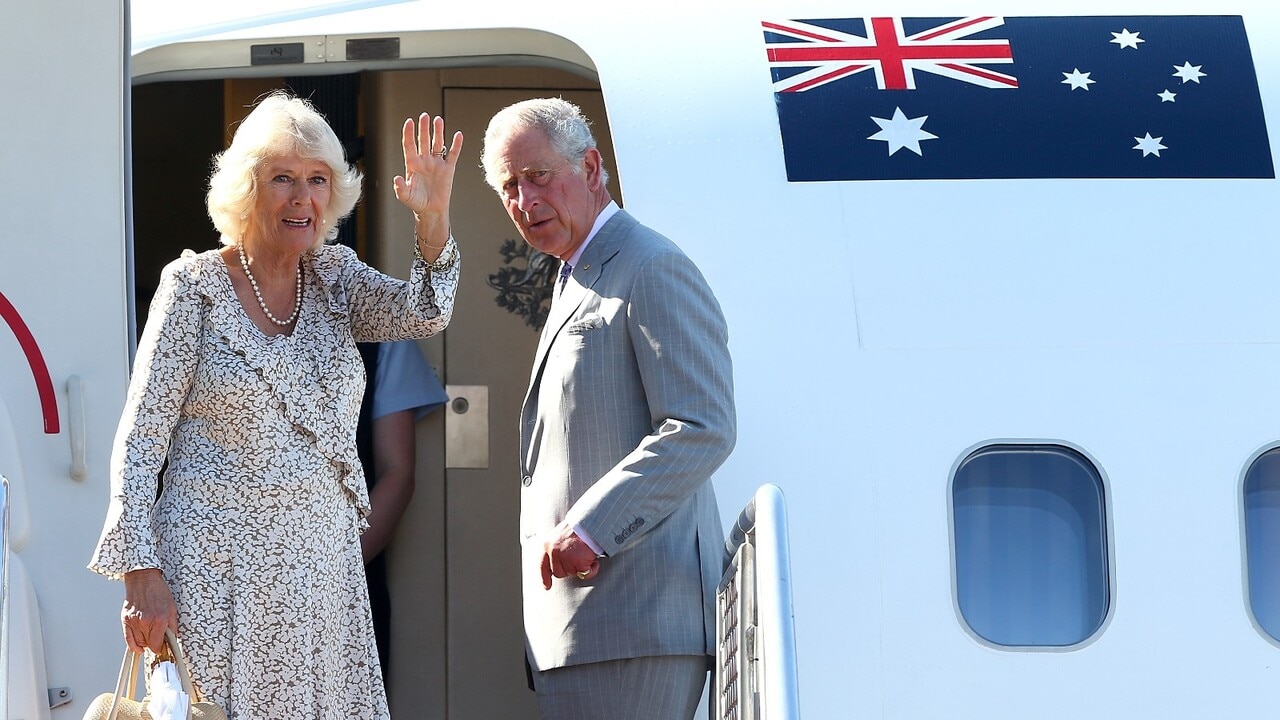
39	371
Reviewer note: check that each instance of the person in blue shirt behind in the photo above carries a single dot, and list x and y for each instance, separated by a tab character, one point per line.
401	389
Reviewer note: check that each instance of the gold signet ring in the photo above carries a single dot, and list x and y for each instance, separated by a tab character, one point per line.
582	574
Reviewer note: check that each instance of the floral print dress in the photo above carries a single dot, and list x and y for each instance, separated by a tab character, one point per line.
257	525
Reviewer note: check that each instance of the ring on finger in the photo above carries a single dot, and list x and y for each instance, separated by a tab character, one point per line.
444	153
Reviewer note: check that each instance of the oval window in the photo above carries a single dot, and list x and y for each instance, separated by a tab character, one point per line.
1262	540
1030	543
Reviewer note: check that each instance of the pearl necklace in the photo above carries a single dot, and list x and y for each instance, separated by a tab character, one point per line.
297	297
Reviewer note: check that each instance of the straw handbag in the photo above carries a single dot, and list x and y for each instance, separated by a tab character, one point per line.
120	704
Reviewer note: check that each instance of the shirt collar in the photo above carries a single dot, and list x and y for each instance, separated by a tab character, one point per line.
609	211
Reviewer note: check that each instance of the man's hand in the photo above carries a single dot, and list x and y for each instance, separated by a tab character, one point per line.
565	554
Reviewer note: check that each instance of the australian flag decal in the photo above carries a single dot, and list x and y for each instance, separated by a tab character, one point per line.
881	98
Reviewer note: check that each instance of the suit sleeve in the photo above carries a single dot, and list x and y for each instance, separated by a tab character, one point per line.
680	344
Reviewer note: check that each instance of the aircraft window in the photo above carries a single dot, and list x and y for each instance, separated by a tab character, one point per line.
1262	540
1030	543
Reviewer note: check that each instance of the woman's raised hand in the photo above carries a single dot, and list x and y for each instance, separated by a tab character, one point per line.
427	183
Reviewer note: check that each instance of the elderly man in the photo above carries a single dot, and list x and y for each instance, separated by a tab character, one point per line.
629	411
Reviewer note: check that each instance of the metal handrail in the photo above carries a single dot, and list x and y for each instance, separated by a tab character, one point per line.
756	674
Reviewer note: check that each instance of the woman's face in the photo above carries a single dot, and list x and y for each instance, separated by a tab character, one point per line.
289	213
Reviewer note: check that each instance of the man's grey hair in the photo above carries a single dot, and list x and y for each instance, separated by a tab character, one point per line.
562	121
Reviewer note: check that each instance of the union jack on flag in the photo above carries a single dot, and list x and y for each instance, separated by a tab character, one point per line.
887	49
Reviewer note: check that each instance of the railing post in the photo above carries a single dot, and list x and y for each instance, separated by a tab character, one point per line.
776	616
757	677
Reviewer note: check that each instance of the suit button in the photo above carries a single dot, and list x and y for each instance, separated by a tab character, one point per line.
527	481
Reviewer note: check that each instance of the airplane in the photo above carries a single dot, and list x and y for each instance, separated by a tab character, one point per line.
1000	288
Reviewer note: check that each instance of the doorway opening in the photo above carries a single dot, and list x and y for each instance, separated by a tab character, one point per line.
457	642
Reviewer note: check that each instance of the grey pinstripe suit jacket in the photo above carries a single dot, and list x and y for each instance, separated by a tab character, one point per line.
629	412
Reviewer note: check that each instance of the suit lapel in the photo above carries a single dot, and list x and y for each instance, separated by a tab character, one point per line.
603	247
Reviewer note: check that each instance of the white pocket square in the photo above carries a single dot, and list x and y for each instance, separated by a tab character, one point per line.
584	324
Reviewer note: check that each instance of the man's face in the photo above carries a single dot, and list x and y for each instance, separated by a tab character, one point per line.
552	203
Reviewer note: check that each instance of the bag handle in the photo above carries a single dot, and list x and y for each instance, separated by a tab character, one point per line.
180	662
127	684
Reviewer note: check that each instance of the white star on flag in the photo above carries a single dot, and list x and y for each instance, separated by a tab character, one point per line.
1167	96
1149	145
1126	39
1077	79
902	132
1189	73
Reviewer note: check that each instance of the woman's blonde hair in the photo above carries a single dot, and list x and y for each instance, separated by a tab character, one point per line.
279	125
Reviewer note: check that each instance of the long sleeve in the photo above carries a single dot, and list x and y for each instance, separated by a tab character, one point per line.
383	308
163	370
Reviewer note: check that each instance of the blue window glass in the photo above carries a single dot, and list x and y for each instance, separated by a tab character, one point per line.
1262	540
1031	565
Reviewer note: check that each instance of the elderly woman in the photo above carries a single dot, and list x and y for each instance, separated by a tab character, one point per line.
248	383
